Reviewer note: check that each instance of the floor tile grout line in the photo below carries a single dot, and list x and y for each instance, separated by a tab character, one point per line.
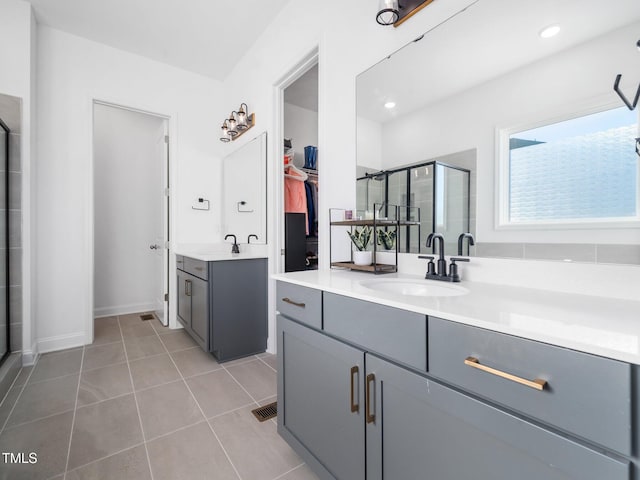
95	345
241	386
135	399
104	366
224	450
34	420
13	384
4	425
242	407
288	472
267	365
73	418
36	382
105	457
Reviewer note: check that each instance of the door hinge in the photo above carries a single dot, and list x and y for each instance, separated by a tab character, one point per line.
166	297
282	251
166	139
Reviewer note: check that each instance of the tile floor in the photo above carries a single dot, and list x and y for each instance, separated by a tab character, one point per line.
144	402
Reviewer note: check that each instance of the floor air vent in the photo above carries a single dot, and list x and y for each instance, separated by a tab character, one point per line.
147	316
267	412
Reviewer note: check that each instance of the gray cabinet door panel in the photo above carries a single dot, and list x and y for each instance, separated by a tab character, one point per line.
314	398
586	395
200	311
300	303
391	332
183	300
423	429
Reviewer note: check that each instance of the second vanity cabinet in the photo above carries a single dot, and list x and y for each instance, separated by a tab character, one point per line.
223	305
357	407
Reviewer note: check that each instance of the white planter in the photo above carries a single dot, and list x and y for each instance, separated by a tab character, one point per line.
386	257
362	258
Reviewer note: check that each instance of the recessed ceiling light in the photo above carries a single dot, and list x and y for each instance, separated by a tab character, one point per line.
550	31
389	104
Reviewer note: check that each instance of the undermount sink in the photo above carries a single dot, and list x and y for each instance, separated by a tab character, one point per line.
416	288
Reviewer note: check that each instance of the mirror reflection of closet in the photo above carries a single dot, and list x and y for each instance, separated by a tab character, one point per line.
301	161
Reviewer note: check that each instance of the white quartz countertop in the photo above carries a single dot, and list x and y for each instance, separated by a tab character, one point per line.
217	256
597	325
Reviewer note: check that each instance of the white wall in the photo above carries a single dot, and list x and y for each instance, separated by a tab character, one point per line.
17	78
348	41
558	85
71	73
128	197
301	126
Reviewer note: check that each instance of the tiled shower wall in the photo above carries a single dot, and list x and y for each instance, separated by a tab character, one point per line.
15	242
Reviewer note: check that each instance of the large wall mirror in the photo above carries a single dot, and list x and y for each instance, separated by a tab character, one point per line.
493	124
245	191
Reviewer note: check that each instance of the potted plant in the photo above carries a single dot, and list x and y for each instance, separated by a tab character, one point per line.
360	239
386	239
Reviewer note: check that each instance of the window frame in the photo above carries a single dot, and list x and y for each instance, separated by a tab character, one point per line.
502	176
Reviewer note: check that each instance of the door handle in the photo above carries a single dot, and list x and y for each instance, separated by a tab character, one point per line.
288	300
355	407
187	288
154	247
536	383
371	417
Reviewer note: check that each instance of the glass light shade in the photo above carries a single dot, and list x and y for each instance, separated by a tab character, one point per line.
224	136
388	12
242	118
232	125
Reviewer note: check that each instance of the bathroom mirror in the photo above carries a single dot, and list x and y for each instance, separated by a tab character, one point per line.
489	82
245	191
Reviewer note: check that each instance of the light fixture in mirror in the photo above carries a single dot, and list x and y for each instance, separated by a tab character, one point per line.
487	70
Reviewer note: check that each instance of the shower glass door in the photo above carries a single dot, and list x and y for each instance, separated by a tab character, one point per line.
4	247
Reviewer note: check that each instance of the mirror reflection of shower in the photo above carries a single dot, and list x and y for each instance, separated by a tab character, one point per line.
369	192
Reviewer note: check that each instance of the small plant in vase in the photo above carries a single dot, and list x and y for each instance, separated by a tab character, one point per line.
360	239
386	239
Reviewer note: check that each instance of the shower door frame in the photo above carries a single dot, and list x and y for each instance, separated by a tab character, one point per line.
6	241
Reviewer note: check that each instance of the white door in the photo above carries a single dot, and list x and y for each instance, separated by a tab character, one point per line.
161	241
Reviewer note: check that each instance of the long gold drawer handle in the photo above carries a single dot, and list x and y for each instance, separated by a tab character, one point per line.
288	300
537	383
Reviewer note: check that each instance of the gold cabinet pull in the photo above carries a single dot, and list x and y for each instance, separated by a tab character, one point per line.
371	417
355	407
536	383
288	300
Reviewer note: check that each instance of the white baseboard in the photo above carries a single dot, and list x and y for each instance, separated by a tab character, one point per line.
29	357
123	309
60	342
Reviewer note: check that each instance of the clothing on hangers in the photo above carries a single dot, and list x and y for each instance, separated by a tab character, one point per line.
295	195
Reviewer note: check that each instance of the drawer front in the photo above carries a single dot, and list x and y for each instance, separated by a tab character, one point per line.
586	395
396	334
300	303
195	267
179	262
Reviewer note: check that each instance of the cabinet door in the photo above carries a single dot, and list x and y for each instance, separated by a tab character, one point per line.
320	398
184	299
418	428
200	310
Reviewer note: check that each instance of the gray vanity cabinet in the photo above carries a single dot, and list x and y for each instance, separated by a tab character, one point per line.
321	409
223	305
193	306
427	430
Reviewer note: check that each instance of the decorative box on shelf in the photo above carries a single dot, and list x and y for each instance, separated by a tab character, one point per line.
371	238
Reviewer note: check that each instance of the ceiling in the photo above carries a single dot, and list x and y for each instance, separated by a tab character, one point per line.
203	36
489	39
304	91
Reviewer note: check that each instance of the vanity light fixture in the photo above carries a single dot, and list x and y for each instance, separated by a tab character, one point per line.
237	124
388	12
550	31
390	105
395	12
